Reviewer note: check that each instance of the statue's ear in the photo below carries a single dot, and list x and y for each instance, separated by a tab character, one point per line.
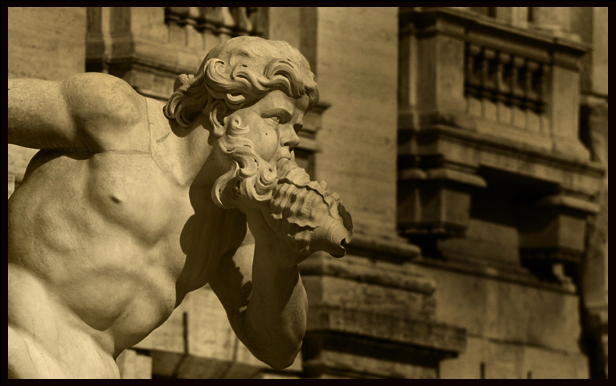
216	115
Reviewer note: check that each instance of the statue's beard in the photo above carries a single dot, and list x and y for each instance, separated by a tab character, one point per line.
249	179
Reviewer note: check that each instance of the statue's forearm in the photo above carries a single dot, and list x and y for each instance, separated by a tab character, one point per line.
275	319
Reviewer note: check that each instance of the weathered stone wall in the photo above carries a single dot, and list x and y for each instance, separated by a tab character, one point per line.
525	316
45	43
357	73
517	326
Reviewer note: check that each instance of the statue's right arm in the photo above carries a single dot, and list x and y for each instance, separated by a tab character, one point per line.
90	112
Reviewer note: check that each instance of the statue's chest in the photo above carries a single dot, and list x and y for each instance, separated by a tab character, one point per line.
130	191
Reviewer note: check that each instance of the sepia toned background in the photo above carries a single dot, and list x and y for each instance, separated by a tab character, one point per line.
470	145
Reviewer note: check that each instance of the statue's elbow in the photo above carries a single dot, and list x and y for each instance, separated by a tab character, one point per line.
281	363
281	359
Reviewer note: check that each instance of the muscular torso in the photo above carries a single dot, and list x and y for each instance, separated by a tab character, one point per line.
111	243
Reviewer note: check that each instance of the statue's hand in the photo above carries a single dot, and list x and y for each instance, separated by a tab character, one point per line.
288	253
307	216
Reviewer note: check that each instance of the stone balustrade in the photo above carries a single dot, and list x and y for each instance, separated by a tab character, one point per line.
232	21
506	78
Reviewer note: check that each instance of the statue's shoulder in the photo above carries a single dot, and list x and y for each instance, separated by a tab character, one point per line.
96	95
112	115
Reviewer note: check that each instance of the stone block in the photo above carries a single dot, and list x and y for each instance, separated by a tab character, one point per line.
193	367
518	117
147	23
358	366
165	363
565	102
474	107
449	62
507	311
533	122
504	113
209	333
555	228
337	292
285	25
436	202
397	330
546	124
492	359
490	110
134	365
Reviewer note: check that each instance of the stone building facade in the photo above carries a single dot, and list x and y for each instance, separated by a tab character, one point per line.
470	146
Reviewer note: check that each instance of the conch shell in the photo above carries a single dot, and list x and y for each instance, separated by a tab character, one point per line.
305	214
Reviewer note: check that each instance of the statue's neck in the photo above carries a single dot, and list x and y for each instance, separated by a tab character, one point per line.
183	152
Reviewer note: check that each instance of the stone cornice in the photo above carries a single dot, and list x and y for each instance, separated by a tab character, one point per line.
505	146
493	33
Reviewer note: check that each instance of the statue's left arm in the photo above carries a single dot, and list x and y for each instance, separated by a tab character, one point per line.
262	292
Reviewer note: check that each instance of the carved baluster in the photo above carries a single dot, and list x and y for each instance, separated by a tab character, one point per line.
193	37
539	87
176	14
531	94
518	92
212	18
518	81
473	70
489	69
254	14
228	24
489	72
242	22
176	17
503	77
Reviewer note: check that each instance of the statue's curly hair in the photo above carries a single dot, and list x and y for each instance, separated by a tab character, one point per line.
237	73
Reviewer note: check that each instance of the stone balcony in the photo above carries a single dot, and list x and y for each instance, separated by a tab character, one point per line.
485	104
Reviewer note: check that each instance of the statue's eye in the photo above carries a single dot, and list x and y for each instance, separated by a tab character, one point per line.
276	118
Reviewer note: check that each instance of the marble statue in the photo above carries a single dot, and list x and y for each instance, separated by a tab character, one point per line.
132	203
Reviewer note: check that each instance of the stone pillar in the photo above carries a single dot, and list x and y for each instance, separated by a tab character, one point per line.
564	103
600	50
285	24
555	20
356	55
516	16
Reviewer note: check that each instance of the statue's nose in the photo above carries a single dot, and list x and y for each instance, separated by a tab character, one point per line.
288	137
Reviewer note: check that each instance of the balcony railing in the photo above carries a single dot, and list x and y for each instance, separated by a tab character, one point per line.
503	77
232	21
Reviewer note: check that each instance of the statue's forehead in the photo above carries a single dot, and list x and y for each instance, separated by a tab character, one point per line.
278	98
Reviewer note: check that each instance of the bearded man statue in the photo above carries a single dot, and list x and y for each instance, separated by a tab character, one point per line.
131	203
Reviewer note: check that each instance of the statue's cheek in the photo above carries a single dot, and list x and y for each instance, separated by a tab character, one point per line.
265	139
